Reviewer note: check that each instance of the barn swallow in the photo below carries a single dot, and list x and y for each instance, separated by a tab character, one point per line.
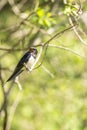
27	60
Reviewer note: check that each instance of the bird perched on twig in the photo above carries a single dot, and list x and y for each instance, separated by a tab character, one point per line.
26	61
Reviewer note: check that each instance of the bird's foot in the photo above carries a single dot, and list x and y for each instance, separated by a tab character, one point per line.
28	69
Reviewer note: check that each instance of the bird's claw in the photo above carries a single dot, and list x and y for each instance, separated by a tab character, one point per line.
29	70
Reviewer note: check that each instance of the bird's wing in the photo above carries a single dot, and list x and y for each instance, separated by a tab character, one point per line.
18	68
23	60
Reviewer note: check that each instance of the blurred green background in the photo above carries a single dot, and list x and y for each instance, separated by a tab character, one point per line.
54	96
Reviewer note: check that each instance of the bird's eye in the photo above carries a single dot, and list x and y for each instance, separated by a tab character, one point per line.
33	50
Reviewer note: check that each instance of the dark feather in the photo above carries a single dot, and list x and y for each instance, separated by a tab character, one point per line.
14	75
19	66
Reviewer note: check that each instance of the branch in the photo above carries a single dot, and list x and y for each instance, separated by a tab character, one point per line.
59	33
12	111
2	4
44	44
59	47
17	12
18	83
77	34
37	59
5	102
47	71
66	49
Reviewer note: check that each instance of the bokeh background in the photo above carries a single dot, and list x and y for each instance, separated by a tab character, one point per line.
54	96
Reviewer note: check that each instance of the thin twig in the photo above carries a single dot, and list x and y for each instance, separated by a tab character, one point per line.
66	49
12	49
47	71
61	47
59	33
18	83
44	44
5	102
76	32
37	59
12	111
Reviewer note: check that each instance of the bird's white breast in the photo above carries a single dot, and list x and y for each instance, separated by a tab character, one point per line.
30	61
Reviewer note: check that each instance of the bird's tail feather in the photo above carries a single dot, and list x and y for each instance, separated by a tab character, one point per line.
13	76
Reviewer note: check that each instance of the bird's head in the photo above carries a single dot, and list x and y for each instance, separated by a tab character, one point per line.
33	51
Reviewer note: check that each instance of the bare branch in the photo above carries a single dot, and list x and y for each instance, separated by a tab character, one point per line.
66	49
47	71
18	83
17	11
37	59
44	44
12	111
59	33
77	34
2	4
5	102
